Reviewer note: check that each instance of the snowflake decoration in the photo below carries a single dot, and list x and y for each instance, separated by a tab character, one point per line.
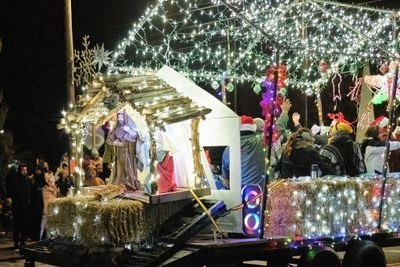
101	57
87	60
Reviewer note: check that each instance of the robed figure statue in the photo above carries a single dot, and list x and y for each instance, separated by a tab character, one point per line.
126	140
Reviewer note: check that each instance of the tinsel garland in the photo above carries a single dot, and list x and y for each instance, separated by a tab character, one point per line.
330	207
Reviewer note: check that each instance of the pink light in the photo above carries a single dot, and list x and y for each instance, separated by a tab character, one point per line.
252	221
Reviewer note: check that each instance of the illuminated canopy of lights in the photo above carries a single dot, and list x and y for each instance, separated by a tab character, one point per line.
204	38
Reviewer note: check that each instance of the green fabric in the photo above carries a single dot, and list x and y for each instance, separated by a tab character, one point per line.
109	155
281	122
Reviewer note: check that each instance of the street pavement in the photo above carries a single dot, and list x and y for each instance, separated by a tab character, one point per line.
9	256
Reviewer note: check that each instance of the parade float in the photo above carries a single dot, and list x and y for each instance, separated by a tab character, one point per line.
224	43
163	101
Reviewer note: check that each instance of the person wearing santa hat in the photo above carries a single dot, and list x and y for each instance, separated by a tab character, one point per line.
252	154
373	146
382	123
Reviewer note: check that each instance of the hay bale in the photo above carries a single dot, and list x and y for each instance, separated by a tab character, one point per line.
118	221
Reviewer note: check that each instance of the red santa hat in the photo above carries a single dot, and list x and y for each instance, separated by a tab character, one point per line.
381	122
247	123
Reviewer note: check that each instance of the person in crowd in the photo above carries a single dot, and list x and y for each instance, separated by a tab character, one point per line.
282	133
44	164
10	178
374	145
6	210
37	184
299	154
64	162
50	192
91	178
320	135
125	137
214	158
341	152
296	121
95	157
252	154
20	192
64	181
100	172
86	162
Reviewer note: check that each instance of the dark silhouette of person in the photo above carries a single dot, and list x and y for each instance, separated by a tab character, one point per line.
21	205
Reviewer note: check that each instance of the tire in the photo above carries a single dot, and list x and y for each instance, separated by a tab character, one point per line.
279	258
364	253
320	257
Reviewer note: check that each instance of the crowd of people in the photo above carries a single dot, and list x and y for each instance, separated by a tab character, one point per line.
28	193
300	151
337	153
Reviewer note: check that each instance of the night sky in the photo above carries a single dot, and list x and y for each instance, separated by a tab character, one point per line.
32	61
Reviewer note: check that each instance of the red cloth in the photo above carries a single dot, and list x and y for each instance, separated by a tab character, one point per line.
166	181
381	121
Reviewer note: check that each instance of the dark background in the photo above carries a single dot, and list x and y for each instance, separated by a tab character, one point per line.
32	63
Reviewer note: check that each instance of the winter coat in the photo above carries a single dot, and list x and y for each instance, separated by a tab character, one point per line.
344	155
374	152
302	156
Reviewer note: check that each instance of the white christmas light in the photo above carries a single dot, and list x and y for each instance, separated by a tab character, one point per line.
204	37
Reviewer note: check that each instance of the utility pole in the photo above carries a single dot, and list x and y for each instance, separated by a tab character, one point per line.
69	45
69	78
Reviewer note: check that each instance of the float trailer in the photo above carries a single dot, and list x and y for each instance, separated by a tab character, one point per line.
182	241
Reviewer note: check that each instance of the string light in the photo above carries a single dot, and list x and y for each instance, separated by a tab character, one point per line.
196	38
333	206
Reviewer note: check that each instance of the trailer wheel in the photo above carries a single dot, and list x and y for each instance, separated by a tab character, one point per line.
279	258
320	257
360	253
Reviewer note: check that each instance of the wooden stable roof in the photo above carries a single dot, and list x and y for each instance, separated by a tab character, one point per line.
154	99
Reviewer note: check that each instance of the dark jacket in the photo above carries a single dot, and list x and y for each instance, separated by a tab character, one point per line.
64	185
299	162
344	155
21	194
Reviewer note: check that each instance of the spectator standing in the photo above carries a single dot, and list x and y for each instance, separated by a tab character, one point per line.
37	183
20	191
65	181
49	192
